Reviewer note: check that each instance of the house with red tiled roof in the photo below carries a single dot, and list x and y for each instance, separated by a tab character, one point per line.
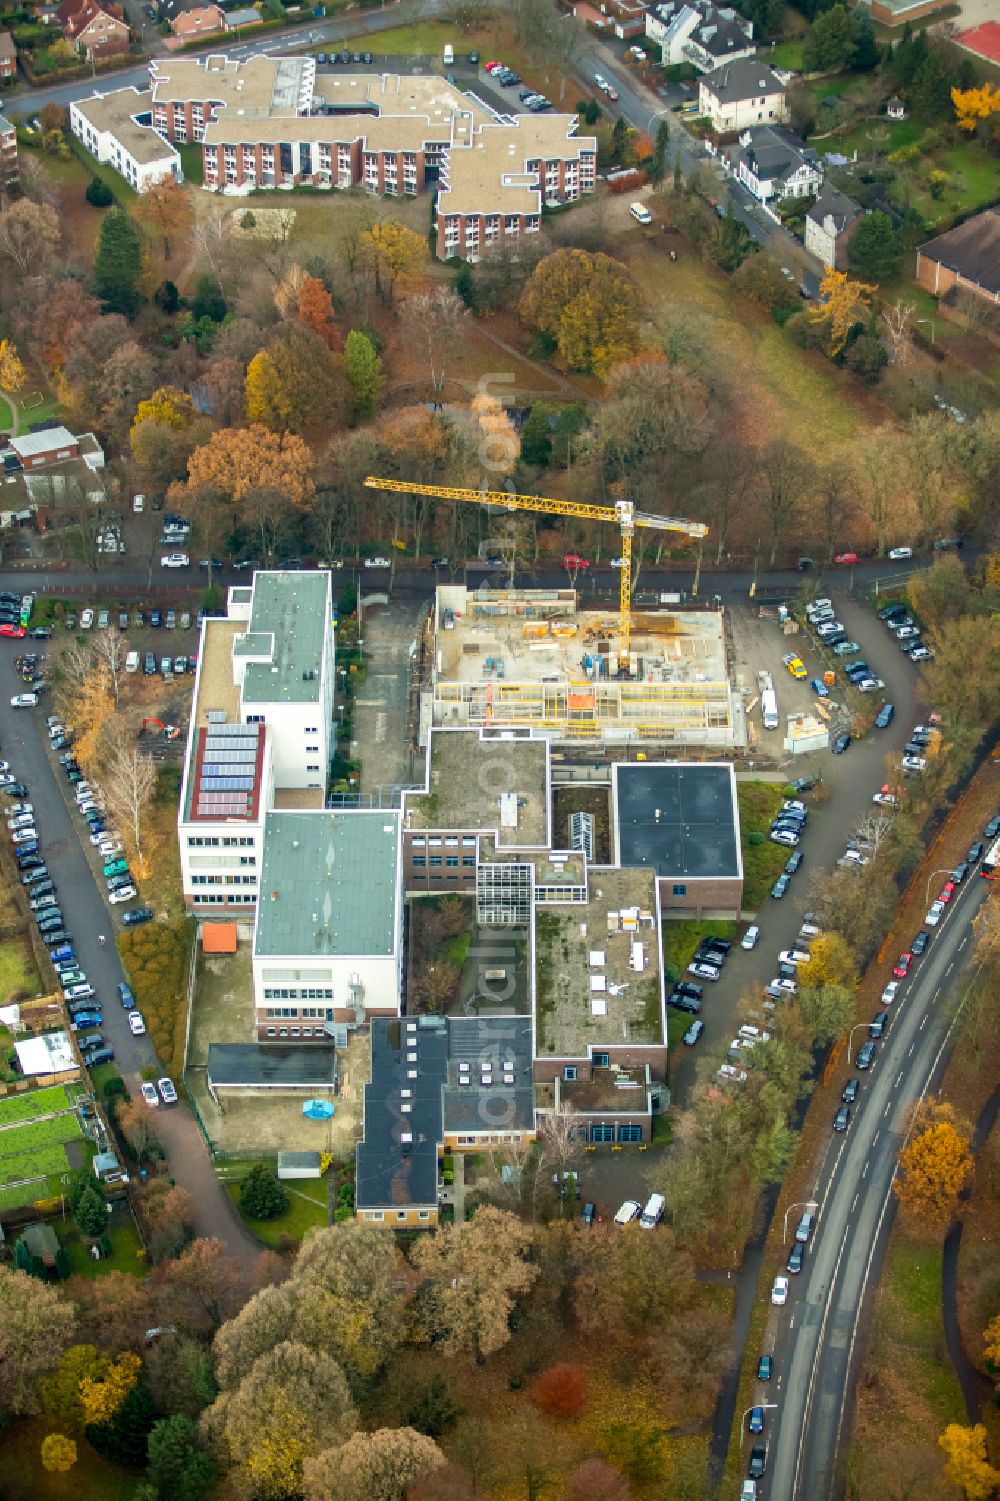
201	20
8	56
95	30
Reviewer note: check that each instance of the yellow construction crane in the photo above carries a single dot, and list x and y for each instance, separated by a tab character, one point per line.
623	513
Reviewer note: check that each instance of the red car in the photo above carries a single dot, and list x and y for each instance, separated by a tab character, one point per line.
947	891
573	560
902	965
846	557
13	630
492	67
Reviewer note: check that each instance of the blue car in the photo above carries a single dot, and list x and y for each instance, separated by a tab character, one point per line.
136	916
86	1019
819	688
126	997
64	952
884	716
780	886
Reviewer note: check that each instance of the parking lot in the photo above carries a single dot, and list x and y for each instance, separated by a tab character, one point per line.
848	782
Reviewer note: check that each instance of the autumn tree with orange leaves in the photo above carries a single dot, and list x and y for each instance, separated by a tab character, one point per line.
933	1170
164	210
315	310
842	305
588	304
246	476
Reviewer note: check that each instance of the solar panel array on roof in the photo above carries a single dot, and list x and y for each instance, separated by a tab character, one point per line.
228	771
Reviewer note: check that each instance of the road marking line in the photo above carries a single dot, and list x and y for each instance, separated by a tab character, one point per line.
899	1078
923	1023
885	1112
864	1171
876	1137
855	1204
951	966
910	1053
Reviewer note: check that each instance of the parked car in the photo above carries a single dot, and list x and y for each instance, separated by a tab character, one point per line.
693	1033
703	971
842	1118
920	942
780	887
779	1291
136	1024
168	1095
175	560
149	1094
883	719
765	1368
866	1055
751	936
136	916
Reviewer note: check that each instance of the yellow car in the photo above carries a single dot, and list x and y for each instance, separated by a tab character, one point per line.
795	666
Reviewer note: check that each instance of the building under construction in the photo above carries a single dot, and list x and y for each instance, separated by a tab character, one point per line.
515	658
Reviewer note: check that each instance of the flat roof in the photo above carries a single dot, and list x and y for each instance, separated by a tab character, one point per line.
396	1162
471	775
293	609
492	174
584	1002
245	1063
679	818
114	114
433	1074
328	884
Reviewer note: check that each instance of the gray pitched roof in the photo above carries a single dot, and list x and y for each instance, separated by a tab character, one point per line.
837	205
971	250
722	32
774	153
744	78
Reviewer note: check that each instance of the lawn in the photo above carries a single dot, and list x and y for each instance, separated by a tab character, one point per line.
24	1478
307	1206
24	1107
786	55
879	136
192	163
126	1252
762	863
782	391
425	39
6	416
17	970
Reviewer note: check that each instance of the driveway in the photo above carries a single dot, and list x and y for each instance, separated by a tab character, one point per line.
850	780
25	745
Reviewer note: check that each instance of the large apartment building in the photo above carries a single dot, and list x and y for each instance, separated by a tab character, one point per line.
272	122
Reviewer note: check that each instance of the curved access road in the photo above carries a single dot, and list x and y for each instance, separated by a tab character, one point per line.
816	1340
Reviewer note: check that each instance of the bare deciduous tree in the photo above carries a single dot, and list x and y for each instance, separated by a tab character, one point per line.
131	778
110	648
896	322
434	320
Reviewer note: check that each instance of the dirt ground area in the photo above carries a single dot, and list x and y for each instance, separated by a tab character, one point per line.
576	799
758	646
262	1125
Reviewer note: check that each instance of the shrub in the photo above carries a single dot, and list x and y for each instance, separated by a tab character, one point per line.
560	1391
262	1196
98	194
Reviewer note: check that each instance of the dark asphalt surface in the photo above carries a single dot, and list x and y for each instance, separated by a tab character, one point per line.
815	1336
65	846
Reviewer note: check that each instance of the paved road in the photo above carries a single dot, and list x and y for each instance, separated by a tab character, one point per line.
815	1337
25	746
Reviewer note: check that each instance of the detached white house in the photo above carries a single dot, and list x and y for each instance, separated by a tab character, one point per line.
699	33
739	95
773	163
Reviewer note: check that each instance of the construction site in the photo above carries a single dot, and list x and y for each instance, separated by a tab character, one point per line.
534	658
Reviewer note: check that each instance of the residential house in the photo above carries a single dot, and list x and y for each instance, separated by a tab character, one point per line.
96	30
741	94
895	109
964	259
117	128
699	33
773	163
8	154
239	20
49	477
200	20
8	57
830	223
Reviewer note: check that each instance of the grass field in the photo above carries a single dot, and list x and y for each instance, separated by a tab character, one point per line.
25	1478
192	162
680	939
24	1107
781	391
6	416
871	136
126	1252
762	863
307	1206
17	969
785	55
425	39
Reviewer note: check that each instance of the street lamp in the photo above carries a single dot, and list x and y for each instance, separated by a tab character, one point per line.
764	1406
806	1204
861	1027
943	870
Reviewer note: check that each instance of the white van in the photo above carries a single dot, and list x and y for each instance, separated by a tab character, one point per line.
653	1212
640	213
449	54
132	662
138	504
628	1212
